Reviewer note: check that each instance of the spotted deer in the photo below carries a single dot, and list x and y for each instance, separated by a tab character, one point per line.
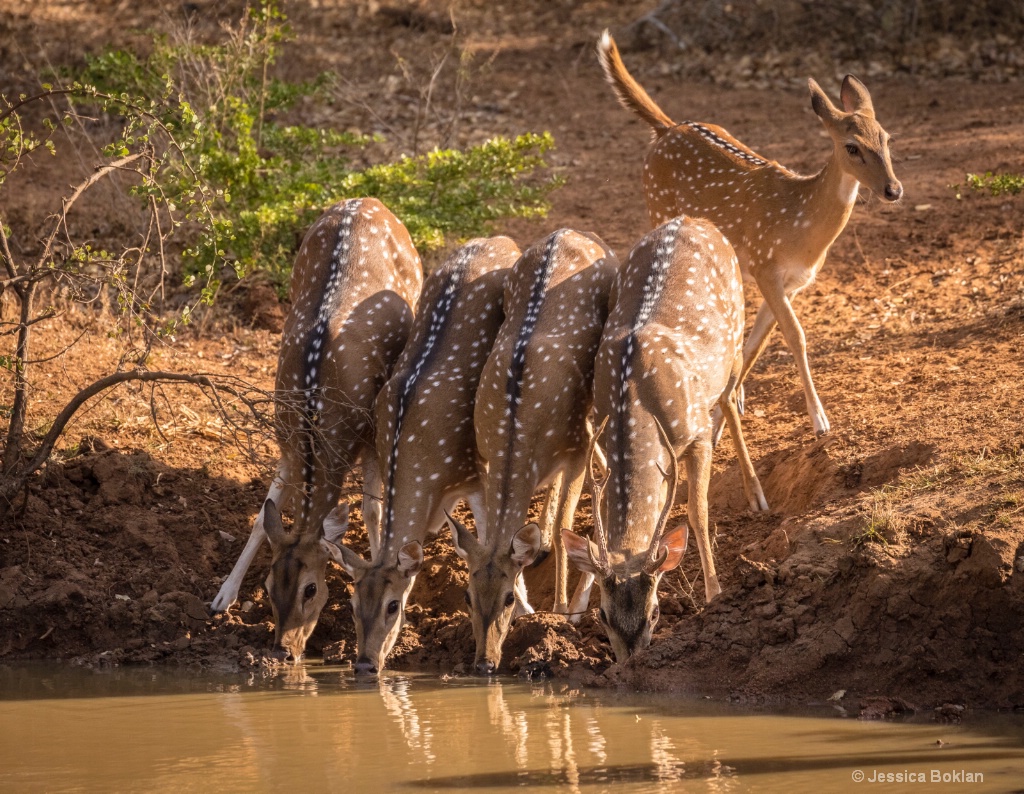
671	350
531	423
425	438
355	281
781	224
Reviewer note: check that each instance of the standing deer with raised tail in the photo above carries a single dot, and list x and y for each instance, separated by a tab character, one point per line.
426	443
780	223
355	281
531	424
671	351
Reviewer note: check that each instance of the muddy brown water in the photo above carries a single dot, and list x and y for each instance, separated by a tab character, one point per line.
316	728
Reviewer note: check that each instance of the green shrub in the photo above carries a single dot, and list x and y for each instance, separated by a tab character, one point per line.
269	180
993	184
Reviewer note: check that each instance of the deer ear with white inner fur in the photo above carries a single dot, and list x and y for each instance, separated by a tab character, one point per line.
410	558
336	523
855	97
673	547
354	565
272	523
579	550
526	545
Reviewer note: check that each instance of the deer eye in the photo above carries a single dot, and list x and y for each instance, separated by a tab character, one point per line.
392	607
310	590
852	150
468	600
510	599
604	617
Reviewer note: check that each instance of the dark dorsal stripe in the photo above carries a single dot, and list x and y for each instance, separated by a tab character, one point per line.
316	350
440	317
718	140
654	286
514	384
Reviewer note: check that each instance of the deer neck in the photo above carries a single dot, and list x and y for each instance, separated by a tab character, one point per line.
827	203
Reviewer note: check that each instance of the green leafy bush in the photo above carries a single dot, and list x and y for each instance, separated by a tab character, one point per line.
269	180
993	184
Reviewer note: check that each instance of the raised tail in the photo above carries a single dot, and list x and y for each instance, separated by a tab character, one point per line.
628	91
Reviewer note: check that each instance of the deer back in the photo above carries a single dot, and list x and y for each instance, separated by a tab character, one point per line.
537	384
673	335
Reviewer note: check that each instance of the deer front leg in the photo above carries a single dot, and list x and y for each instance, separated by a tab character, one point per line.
778	302
757	341
751	485
573	476
373	485
228	593
698	475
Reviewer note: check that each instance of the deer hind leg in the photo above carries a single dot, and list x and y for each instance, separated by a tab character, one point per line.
764	324
751	485
228	593
778	302
698	475
372	505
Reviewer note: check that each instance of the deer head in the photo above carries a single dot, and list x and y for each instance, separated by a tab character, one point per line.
491	593
861	145
297	583
379	597
629	583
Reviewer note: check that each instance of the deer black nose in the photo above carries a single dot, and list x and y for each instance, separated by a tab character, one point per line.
365	667
486	667
280	654
893	191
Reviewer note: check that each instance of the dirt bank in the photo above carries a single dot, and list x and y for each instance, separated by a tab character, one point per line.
892	561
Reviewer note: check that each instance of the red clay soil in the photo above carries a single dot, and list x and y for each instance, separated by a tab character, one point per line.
892	561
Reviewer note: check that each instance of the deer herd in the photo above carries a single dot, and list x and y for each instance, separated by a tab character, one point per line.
506	372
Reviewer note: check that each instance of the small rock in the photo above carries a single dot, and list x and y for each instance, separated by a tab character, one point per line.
247	606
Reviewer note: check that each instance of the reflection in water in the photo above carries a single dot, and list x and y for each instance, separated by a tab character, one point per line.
317	727
394	690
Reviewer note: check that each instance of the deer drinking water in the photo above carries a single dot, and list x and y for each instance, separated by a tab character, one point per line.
426	443
530	418
670	351
355	281
780	223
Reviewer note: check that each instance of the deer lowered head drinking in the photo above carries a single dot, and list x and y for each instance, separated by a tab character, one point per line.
669	353
426	442
355	281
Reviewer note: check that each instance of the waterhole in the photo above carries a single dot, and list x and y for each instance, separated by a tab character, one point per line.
316	728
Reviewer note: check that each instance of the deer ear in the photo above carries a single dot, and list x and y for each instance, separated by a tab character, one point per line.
526	545
855	97
271	520
673	546
336	523
354	565
410	559
579	550
821	104
464	541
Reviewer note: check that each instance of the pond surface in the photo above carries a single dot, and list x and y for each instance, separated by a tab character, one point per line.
314	728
